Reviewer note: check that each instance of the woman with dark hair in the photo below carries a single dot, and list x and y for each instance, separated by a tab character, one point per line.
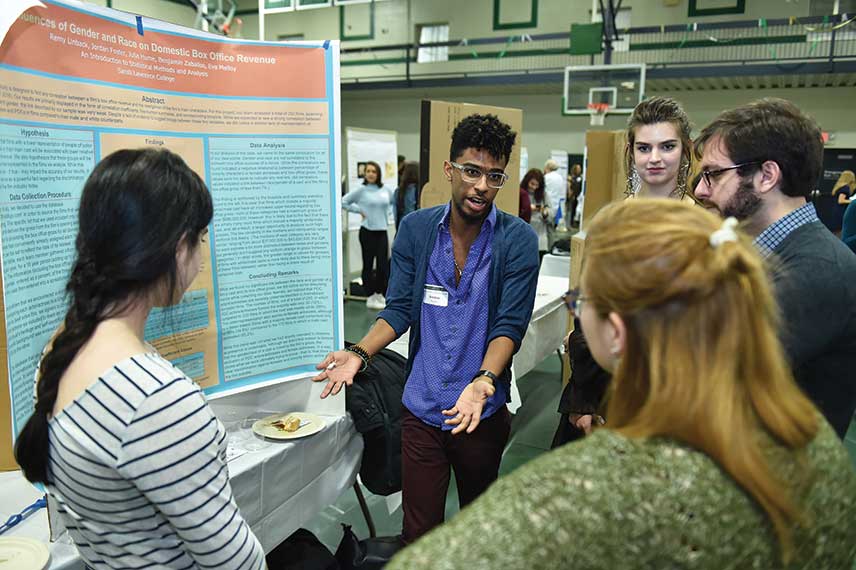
405	194
124	441
575	189
533	184
372	201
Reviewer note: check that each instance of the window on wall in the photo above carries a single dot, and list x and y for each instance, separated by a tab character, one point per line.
429	34
279	5
310	4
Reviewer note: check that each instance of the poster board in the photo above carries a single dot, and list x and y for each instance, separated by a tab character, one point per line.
437	122
258	121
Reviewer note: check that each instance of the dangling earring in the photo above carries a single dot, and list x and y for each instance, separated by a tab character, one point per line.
681	184
634	183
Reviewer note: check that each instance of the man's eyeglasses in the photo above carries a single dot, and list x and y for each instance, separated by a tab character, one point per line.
471	175
711	175
574	301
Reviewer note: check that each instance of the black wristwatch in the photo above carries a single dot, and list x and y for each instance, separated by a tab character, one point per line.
488	374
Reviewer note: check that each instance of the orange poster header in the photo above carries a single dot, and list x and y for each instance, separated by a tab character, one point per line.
66	42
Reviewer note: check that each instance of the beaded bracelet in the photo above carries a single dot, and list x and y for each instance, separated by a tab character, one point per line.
362	353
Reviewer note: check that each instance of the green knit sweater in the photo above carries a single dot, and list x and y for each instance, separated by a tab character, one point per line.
610	502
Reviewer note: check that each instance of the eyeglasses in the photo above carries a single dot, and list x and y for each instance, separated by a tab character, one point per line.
574	301
711	175
472	174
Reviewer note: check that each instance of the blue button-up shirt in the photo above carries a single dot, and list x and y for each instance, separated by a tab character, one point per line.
768	240
453	327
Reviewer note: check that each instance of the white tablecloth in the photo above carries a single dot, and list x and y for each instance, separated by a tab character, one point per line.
278	489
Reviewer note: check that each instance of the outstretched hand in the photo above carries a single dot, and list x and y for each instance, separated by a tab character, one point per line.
338	369
466	413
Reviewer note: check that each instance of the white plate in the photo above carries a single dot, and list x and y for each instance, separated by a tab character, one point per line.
309	424
23	554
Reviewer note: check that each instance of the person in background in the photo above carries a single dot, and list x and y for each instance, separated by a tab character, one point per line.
555	186
842	192
524	205
658	158
124	442
712	456
541	208
575	189
658	155
463	282
760	162
848	227
405	196
401	161
372	201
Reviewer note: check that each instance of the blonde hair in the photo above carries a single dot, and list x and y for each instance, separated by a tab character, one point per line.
847	178
702	362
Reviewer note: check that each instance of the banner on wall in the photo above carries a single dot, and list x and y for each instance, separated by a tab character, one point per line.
258	121
366	145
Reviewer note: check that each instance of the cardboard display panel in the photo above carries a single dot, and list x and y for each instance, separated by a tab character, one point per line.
605	180
438	120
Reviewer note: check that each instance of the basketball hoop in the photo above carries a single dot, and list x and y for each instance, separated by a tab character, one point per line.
233	28
598	113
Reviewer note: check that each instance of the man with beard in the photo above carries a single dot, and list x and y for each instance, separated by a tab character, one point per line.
463	281
759	164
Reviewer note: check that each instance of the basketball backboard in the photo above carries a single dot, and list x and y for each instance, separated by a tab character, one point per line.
591	87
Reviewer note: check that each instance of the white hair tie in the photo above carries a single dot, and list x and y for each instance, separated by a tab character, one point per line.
724	233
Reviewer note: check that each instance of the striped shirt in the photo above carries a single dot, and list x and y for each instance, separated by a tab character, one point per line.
137	468
768	240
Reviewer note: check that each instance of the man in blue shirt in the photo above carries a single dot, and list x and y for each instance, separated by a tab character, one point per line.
463	280
760	162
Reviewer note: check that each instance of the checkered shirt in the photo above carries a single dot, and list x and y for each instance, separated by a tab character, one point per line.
768	240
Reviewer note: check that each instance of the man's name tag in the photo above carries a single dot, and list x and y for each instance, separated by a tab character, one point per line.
435	295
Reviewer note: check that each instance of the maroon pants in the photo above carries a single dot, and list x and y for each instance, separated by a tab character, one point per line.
428	452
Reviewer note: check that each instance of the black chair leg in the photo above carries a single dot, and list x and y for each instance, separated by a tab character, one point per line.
365	509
